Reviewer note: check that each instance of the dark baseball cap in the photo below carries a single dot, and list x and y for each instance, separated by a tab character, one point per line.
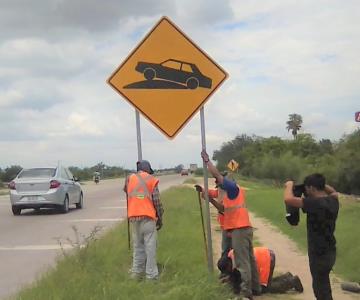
144	165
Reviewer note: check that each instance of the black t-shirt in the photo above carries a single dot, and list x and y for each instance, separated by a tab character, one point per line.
321	217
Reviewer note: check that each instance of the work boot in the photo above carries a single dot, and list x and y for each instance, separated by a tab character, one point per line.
297	285
353	287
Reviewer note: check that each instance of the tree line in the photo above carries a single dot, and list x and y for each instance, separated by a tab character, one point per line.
280	159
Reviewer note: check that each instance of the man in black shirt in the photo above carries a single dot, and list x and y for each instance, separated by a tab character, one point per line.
321	206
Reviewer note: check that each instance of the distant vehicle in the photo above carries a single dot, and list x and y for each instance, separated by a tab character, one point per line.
175	71
184	172
45	188
193	168
96	177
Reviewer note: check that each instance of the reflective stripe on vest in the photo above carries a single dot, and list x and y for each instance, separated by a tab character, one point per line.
235	212
140	188
263	261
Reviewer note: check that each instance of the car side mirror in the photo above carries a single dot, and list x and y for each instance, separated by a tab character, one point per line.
76	179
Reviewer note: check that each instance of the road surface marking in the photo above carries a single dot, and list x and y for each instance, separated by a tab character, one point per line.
112	207
94	220
38	247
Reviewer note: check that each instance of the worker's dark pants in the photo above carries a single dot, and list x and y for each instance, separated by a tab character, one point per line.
279	284
320	267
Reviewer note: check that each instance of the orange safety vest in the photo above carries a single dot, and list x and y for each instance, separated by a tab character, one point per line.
235	212
214	193
139	190
263	263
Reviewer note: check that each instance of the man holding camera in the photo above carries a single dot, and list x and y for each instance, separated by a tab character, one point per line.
320	203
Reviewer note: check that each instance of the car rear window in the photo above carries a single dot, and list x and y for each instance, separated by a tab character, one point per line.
40	172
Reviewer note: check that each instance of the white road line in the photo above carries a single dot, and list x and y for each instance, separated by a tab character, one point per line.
37	247
112	207
94	220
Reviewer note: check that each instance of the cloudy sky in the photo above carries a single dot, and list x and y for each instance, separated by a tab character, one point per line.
282	56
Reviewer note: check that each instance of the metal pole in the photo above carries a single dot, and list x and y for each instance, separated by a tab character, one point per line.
206	188
138	134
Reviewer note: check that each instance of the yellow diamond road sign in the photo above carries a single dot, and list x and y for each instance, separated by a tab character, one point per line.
167	77
233	165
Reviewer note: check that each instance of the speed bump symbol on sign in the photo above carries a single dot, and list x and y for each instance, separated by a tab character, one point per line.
167	77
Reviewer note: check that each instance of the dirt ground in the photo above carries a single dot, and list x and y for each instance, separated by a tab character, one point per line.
288	258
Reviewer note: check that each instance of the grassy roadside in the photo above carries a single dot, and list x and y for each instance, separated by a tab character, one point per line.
266	201
100	271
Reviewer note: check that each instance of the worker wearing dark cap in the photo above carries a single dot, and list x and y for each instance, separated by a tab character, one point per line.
145	214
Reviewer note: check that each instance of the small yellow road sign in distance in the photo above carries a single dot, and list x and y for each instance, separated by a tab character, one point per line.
233	165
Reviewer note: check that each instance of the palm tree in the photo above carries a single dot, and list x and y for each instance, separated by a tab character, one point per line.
294	124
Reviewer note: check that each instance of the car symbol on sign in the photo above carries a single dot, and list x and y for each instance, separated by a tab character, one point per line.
175	71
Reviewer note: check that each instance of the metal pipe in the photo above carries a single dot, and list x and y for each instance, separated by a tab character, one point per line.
206	189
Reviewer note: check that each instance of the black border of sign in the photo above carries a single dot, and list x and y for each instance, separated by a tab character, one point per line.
203	52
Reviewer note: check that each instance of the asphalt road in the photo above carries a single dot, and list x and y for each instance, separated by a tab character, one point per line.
29	243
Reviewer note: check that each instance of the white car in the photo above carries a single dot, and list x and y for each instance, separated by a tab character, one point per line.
45	188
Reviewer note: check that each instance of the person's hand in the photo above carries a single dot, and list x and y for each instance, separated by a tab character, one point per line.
198	188
158	224
205	156
289	183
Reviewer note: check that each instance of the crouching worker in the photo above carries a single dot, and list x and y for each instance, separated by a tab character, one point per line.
265	261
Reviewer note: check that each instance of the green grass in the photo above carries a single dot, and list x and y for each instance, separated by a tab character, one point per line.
100	271
190	180
267	202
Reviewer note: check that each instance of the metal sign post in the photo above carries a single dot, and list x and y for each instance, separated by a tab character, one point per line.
206	188
138	134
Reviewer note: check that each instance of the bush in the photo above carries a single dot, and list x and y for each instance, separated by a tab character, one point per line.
280	168
199	172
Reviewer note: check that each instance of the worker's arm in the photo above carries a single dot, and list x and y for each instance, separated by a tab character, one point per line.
158	207
331	191
212	169
217	205
289	197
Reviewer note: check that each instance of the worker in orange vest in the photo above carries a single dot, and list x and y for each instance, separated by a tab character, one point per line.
237	222
216	196
145	214
265	261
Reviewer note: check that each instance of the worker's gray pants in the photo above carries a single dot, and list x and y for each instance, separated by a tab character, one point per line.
225	241
245	260
144	241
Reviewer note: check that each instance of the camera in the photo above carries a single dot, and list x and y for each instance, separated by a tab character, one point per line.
292	213
299	190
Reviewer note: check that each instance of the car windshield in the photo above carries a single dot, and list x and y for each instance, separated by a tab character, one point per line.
40	172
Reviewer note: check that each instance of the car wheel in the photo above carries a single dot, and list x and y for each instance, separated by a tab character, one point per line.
16	210
192	83
80	204
65	206
149	74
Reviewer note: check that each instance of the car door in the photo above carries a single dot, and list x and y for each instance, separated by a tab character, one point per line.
69	184
75	188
